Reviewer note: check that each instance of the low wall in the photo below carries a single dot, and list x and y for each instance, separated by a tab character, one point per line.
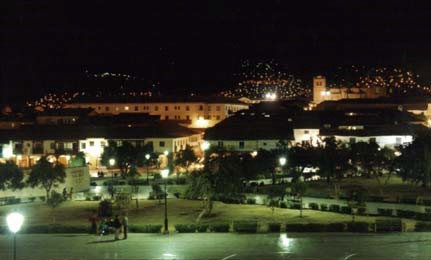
77	178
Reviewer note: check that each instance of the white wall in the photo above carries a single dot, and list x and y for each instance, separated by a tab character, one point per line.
306	135
249	145
389	140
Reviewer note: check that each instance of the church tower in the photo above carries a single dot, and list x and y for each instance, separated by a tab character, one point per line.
319	89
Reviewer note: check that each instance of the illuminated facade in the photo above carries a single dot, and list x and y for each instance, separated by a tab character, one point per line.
321	92
194	114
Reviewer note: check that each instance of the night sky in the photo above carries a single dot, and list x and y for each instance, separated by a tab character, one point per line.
48	45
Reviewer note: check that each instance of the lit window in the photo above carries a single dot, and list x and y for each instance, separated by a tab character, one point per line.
126	108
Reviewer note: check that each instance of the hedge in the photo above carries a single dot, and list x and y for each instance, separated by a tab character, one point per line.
335	227
313	205
221	227
245	226
334	208
55	229
362	211
202	228
146	229
305	227
283	205
423	227
346	210
358	227
185	228
406	213
251	201
274	227
323	207
385	212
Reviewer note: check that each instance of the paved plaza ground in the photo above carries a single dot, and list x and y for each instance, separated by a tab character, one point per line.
221	246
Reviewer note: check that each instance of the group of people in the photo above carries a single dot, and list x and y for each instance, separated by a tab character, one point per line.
103	226
67	195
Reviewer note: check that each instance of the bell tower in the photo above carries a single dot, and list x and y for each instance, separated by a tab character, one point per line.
319	89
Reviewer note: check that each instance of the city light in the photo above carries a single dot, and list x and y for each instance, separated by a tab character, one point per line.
166	152
164	173
282	161
147	156
14	221
205	146
201	123
112	162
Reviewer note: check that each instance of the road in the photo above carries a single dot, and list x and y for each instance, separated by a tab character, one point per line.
221	246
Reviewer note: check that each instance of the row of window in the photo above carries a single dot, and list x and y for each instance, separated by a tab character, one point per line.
156	108
187	117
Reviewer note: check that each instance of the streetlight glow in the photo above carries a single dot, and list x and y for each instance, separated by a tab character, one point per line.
147	156
166	152
164	173
282	161
205	146
112	161
14	221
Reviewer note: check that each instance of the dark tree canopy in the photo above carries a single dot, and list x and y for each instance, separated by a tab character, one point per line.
11	176
46	175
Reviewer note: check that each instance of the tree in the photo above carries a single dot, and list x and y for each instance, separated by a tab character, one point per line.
298	189
357	197
264	164
46	175
78	161
54	201
332	158
125	156
133	181
11	176
185	158
414	163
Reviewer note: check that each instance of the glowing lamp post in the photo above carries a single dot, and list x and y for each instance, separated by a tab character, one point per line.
14	222
165	174
205	146
282	161
147	157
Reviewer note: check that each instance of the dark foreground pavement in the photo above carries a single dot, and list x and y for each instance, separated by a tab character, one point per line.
221	246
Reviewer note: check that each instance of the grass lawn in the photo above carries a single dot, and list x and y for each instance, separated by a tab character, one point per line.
395	187
179	211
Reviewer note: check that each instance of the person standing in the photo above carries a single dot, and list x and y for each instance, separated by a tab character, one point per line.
93	220
71	193
125	222
117	227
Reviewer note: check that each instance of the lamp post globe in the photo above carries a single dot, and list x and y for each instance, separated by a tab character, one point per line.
165	175
166	152
14	222
282	161
112	162
147	156
205	146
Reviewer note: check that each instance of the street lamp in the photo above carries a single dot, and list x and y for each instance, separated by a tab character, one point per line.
282	161
14	221
111	188
165	174
147	157
166	152
205	146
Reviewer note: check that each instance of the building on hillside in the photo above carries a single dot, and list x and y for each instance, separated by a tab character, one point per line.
322	92
193	112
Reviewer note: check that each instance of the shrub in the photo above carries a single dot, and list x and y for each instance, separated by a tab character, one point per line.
406	213
177	195
334	208
313	205
385	212
423	227
426	202
274	227
323	207
408	200
97	198
362	211
146	229
388	225
181	181
376	198
105	208
185	228
283	205
251	201
202	228
245	227
50	229
305	227
295	206
423	216
42	198
346	210
358	226
334	227
221	227
32	199
55	199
